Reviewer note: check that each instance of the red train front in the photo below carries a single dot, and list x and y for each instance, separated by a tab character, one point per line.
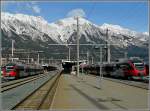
15	71
137	69
132	68
10	71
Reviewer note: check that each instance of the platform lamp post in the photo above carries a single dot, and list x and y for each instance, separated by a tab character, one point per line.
0	53
12	50
87	57
0	49
28	57
77	18
69	53
39	56
67	45
0	56
100	65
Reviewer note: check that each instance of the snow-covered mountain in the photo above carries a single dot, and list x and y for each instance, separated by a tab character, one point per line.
124	31
31	28
61	30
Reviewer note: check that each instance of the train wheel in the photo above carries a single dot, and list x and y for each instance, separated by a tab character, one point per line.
108	75
126	77
130	78
16	77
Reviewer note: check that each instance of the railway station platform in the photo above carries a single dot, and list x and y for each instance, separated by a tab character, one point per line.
84	93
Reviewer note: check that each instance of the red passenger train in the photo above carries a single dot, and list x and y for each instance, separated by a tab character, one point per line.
15	70
130	68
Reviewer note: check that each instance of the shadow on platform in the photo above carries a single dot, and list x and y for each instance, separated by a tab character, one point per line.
94	102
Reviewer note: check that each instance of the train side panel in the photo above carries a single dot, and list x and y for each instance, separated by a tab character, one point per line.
15	71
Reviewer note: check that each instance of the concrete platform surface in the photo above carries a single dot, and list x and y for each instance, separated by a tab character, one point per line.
84	93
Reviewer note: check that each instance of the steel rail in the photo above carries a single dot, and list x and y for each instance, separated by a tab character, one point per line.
45	98
126	82
32	94
19	83
5	84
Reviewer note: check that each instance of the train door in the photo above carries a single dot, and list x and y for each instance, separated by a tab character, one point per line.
119	70
22	71
126	70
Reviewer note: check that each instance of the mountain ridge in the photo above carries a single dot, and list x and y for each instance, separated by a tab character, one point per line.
57	27
25	28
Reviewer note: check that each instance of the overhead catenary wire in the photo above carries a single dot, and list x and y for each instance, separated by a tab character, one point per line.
91	10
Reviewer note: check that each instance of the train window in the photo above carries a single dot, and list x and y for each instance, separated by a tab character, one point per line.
125	66
136	61
11	64
118	66
9	68
27	70
21	68
139	66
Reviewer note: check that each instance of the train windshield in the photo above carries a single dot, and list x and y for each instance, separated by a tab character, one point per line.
138	64
123	66
10	67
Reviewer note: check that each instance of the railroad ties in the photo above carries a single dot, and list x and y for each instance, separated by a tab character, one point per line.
40	98
58	90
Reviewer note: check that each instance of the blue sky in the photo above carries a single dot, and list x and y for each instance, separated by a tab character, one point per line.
132	15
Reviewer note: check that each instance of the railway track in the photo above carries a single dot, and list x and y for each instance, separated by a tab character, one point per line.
13	84
130	83
137	84
42	97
